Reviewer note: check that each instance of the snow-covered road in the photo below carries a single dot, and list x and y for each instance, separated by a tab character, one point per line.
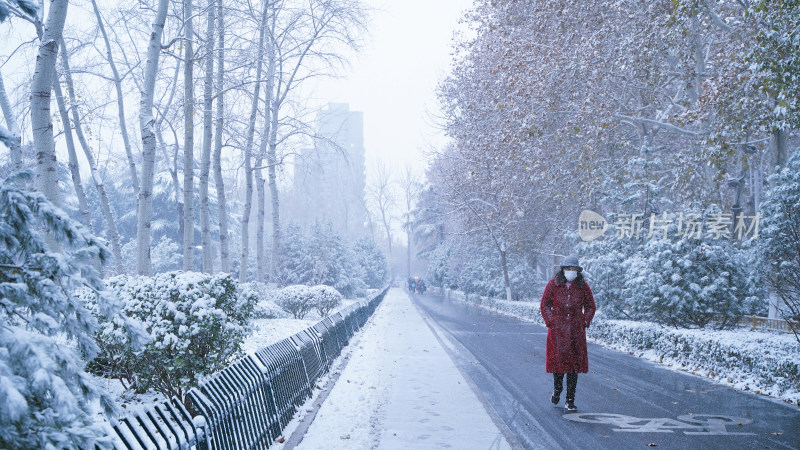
401	390
623	402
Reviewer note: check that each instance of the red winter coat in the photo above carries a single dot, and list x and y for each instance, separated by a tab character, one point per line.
567	311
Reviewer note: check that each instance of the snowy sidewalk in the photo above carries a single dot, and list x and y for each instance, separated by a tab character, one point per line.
401	390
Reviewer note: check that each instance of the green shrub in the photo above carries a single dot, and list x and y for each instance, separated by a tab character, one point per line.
196	323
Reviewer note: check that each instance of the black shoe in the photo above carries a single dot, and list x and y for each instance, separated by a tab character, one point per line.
555	398
571	406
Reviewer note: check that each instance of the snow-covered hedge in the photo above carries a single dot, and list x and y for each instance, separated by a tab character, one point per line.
299	299
196	323
326	299
765	363
266	308
296	299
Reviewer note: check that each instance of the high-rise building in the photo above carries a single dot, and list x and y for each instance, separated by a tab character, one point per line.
330	178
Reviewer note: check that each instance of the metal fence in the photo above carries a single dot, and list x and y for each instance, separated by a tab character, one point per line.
249	403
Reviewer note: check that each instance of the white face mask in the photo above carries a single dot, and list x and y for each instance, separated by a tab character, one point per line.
570	274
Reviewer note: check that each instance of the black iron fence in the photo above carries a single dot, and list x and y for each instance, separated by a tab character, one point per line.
249	403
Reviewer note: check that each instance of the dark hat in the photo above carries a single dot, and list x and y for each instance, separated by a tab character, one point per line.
571	261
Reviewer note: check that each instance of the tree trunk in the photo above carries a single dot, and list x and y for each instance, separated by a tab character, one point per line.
205	164
388	227
146	123
777	146
162	144
248	149
276	216
261	255
505	274
224	251
123	125
99	183
248	202
15	147
41	85
188	143
408	251
273	106
74	168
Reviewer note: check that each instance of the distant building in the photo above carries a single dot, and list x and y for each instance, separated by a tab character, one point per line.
330	179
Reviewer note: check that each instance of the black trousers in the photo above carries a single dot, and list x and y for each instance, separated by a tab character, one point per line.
572	383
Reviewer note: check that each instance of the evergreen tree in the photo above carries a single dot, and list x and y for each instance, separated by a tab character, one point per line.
778	57
605	263
691	283
779	238
295	266
372	262
44	390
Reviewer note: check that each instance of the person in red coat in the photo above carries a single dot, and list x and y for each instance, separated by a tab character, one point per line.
567	307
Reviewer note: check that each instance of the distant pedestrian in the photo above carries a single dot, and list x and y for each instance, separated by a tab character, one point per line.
567	307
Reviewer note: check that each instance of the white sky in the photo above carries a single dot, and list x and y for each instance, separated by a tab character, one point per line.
393	79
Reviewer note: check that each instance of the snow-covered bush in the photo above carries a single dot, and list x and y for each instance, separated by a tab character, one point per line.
297	300
265	308
45	395
779	238
326	299
482	275
295	264
197	323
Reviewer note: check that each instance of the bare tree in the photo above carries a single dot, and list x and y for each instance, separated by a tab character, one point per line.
411	185
147	124
383	199
248	148
123	124
97	178
188	136
300	51
224	252
205	164
14	141
165	109
74	168
41	86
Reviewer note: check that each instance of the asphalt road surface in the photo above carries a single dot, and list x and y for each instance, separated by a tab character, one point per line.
623	402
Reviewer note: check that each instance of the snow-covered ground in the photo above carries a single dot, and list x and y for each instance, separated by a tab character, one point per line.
399	390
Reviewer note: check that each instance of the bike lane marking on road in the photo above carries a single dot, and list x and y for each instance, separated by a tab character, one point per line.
690	424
